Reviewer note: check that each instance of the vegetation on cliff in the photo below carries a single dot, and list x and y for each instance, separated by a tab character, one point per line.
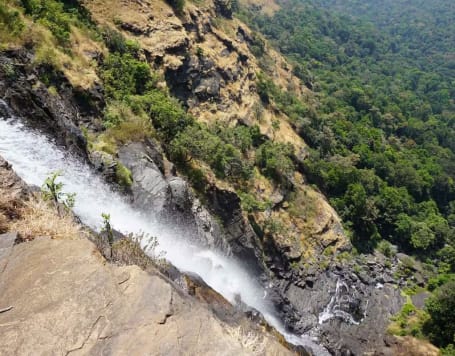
380	125
382	129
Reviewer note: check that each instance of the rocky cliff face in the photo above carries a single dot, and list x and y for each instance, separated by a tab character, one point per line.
60	296
207	62
205	59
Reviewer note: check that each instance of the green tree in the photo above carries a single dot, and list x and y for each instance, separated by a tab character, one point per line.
177	5
275	161
441	308
107	228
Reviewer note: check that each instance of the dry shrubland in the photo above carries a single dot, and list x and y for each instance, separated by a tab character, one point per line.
9	210
35	217
3	223
41	218
251	341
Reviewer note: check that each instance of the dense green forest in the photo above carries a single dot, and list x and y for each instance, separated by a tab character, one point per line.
383	131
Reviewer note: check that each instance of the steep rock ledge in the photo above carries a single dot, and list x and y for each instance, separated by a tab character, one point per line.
59	296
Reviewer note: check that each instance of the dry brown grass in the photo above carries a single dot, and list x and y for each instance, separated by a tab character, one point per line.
410	346
130	128
250	341
81	69
78	68
9	210
129	252
134	130
39	218
4	223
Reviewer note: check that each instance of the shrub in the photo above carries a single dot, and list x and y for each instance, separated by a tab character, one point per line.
386	248
441	308
52	15
11	25
116	43
197	142
196	178
124	175
177	5
242	137
123	75
440	280
449	350
250	204
274	160
117	112
167	114
53	191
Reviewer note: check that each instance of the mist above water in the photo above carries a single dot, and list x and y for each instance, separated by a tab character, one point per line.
34	156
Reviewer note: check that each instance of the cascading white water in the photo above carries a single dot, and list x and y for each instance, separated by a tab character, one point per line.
34	156
334	307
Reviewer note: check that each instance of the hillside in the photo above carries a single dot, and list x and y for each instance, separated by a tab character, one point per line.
311	140
61	296
384	76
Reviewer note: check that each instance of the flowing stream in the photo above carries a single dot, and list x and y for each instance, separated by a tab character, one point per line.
34	156
334	308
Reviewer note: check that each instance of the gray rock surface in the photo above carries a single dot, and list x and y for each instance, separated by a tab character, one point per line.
150	189
67	301
6	246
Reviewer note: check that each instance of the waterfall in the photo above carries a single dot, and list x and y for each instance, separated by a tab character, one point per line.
34	156
341	305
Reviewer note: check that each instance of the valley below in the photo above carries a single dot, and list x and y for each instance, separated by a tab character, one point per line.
173	181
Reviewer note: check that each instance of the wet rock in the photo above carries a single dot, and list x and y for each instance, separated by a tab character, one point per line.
151	192
307	322
364	277
239	234
348	314
105	164
180	199
29	99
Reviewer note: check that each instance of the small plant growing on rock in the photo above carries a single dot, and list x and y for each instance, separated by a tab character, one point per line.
386	248
107	228
124	175
53	191
199	51
128	250
9	71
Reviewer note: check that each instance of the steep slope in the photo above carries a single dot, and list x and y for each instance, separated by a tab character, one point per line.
381	138
207	62
60	296
226	165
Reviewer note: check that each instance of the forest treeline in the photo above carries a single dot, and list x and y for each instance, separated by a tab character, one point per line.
382	133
